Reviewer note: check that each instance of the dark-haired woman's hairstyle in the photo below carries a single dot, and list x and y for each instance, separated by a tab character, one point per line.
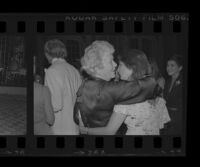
137	61
155	69
177	58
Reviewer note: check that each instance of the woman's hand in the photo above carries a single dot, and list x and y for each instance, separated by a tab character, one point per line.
83	130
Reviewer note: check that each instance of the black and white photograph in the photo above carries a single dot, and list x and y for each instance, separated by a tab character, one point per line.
109	84
94	84
13	84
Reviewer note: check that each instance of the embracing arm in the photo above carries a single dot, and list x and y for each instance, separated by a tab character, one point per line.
123	90
131	92
113	125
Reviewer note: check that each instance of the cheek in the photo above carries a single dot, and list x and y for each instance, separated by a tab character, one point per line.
123	72
108	66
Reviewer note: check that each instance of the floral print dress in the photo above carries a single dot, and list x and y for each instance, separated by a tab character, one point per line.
146	118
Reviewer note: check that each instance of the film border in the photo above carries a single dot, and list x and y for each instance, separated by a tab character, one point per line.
30	25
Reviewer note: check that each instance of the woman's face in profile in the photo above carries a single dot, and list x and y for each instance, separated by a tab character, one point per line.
173	68
109	66
123	71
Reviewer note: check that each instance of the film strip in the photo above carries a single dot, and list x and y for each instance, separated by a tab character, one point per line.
168	31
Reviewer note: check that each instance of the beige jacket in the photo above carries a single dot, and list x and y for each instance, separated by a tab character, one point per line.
63	81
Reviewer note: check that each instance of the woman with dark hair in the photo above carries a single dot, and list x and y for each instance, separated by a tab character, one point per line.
173	95
143	118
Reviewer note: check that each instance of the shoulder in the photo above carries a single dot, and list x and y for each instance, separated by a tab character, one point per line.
160	101
95	89
58	65
51	68
55	71
74	70
91	85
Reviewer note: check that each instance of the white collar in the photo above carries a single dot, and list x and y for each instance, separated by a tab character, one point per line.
57	59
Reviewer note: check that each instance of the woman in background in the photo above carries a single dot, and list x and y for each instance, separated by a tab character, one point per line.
173	95
43	111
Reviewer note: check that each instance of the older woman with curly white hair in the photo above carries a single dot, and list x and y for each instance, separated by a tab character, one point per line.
63	81
98	60
97	95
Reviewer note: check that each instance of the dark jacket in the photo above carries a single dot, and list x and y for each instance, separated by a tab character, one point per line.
174	102
96	98
174	97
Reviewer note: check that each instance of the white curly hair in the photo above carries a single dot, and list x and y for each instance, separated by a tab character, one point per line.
93	56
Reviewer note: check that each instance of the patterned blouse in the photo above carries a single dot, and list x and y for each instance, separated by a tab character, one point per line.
146	118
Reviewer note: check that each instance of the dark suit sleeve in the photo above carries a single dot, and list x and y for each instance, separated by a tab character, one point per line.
149	91
124	92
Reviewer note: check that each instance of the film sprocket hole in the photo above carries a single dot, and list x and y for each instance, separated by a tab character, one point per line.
23	39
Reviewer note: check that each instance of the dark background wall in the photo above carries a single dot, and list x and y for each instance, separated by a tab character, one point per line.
13	61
